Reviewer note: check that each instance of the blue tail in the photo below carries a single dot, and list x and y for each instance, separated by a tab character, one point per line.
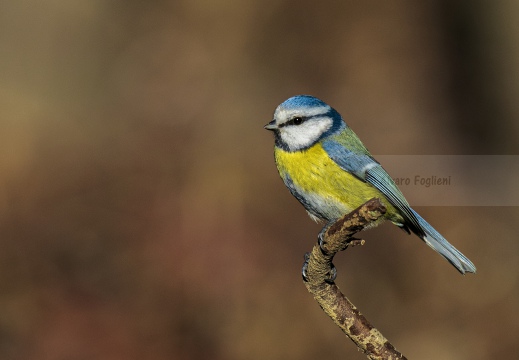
442	246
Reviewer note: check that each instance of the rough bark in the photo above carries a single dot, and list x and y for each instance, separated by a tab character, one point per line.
317	280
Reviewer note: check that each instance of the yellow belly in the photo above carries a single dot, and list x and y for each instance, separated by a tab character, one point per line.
319	177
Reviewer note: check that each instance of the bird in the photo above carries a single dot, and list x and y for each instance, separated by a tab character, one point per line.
330	172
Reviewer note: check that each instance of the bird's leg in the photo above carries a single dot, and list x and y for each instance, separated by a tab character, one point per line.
322	242
320	237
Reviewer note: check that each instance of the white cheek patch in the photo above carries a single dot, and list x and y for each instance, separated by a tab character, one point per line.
301	136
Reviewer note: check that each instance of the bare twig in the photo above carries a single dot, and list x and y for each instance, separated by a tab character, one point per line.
319	267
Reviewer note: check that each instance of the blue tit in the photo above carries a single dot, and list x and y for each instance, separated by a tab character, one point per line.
327	168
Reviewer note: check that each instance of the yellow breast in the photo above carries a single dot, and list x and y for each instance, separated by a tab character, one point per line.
315	174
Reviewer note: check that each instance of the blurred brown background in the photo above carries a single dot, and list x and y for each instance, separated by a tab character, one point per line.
142	216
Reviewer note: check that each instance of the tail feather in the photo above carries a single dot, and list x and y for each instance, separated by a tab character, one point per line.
444	248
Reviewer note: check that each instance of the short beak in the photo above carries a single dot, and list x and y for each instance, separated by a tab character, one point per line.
271	126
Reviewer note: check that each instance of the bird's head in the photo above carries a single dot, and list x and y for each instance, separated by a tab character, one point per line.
303	120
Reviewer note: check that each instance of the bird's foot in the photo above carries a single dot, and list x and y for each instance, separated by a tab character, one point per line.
321	242
305	267
332	275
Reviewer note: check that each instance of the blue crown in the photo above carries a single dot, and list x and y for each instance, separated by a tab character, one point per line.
298	101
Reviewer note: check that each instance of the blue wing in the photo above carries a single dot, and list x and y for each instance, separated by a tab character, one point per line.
367	169
360	163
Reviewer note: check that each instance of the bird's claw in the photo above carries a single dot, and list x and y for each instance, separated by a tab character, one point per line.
305	267
321	242
332	274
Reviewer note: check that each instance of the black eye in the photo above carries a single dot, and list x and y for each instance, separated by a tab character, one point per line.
297	121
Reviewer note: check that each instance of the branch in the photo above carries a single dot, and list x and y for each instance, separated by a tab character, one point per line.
317	275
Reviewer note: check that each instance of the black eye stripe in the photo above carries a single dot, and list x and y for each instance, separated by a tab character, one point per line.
298	120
